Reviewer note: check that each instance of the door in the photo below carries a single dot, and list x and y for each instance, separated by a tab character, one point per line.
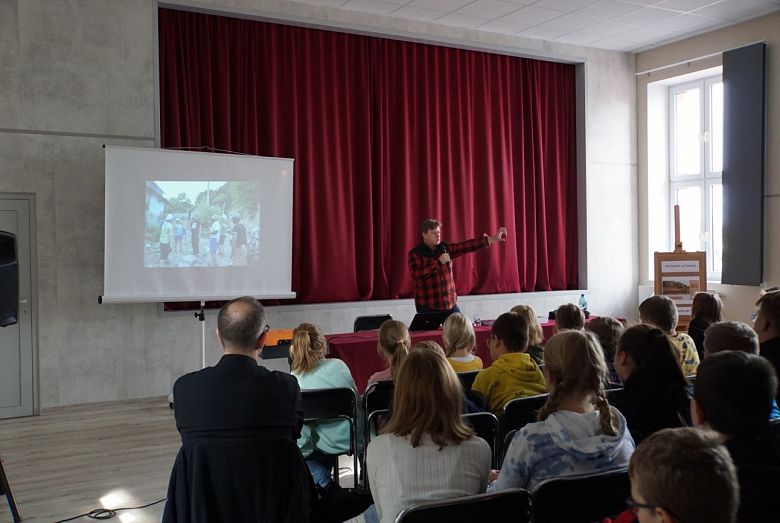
17	362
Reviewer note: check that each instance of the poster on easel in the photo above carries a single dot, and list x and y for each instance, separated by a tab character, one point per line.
680	275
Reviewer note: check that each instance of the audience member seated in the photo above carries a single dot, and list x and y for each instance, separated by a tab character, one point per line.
705	311
683	475
513	373
535	332
661	312
577	432
733	395
654	388
734	335
460	341
607	330
320	442
470	406
238	423
730	335
767	326
569	317
394	344
427	451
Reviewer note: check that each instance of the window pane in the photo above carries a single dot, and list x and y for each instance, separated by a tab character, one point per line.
716	226
689	200
687	127
716	127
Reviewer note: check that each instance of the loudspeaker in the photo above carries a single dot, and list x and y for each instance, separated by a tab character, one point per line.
9	280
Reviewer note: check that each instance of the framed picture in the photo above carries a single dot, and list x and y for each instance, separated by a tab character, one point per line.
680	275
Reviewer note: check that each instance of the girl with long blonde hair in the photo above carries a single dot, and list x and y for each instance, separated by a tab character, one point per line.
577	432
426	451
320	442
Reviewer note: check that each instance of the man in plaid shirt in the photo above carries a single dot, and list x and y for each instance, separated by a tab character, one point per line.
431	265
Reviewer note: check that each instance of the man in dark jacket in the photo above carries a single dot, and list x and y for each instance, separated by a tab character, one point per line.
238	423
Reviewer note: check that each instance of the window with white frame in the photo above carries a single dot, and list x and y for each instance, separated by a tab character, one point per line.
696	165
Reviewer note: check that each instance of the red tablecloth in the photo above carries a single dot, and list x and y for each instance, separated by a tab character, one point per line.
359	350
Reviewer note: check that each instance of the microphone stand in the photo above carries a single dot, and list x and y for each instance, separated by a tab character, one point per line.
201	316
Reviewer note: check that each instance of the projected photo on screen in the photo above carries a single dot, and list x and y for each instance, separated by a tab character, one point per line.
202	224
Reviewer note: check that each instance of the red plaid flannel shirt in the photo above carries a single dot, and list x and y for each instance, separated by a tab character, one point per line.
435	286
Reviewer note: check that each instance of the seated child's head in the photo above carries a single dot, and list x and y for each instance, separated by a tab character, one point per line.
733	393
394	342
767	322
607	330
707	306
458	334
660	311
684	475
575	369
429	345
535	333
307	348
510	333
569	317
730	335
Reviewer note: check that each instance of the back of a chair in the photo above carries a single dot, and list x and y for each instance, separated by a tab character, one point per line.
485	424
614	395
517	414
507	505
587	498
467	379
505	445
324	404
367	323
333	404
378	396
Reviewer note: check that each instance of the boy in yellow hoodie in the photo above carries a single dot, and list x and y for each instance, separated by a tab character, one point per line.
513	373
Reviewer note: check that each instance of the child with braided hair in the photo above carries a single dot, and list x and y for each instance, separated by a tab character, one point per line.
577	432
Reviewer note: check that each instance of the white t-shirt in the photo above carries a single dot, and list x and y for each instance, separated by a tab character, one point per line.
400	475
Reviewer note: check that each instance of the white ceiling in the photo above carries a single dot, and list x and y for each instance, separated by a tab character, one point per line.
619	25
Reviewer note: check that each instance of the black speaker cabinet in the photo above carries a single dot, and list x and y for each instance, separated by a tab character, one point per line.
9	280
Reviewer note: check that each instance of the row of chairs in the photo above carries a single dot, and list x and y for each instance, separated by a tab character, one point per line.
588	498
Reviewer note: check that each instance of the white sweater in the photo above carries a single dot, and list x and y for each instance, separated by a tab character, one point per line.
400	475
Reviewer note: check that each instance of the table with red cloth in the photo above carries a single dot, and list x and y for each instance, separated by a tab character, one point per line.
359	349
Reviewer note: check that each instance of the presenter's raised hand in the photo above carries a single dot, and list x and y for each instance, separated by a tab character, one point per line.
444	259
500	236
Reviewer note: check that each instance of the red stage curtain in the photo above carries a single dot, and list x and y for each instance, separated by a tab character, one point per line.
384	134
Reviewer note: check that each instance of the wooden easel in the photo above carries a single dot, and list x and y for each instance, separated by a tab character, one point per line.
689	268
5	488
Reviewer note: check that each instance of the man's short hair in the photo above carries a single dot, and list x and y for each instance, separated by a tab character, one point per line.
735	391
730	335
660	311
512	329
689	473
769	304
428	225
240	323
569	316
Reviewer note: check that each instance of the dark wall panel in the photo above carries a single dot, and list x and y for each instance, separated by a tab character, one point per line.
744	110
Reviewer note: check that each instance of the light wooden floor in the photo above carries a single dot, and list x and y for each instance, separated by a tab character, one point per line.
61	463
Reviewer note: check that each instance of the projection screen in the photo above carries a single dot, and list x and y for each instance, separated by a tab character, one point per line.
192	226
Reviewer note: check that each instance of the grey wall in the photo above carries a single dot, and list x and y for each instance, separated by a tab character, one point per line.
75	75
